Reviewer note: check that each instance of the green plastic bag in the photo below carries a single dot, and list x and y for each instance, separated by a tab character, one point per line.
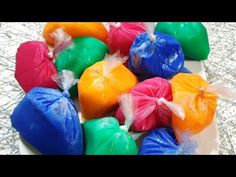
105	136
191	35
84	52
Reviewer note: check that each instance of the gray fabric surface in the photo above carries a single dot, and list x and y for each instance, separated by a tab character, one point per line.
220	65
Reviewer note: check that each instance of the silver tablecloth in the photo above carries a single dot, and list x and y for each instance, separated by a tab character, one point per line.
220	65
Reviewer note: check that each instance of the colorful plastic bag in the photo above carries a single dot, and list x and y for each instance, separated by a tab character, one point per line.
199	101
34	66
156	55
162	141
48	120
191	35
122	34
76	29
149	114
76	57
104	136
101	84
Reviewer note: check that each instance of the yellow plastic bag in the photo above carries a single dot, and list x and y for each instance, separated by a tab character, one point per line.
199	101
101	85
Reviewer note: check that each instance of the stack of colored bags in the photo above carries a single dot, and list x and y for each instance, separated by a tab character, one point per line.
130	78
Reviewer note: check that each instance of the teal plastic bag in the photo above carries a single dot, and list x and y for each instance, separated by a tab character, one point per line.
77	54
104	136
192	36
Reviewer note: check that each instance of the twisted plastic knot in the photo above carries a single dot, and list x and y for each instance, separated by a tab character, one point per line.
152	37
201	92
50	55
66	93
160	101
117	25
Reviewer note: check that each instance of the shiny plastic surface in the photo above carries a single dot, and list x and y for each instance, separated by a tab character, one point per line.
122	34
149	114
76	29
103	136
161	57
199	106
48	120
192	36
85	52
34	68
99	91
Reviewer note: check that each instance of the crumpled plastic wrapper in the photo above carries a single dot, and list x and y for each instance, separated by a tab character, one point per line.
221	65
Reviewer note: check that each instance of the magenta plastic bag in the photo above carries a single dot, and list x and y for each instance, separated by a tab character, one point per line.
122	35
34	66
150	113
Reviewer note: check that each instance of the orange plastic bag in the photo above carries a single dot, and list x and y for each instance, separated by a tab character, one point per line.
76	29
101	85
198	98
199	106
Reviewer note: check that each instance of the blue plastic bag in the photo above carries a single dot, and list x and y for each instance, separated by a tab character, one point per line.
162	141
48	120
156	55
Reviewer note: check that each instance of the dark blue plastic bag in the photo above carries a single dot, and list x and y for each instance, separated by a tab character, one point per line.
162	141
156	55
48	120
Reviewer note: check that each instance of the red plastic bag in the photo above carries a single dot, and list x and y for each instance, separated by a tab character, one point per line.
34	67
151	111
122	34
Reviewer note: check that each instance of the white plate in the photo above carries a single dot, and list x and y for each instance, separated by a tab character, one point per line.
208	139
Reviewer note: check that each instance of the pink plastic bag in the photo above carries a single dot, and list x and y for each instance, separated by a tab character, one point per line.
122	34
152	98
34	61
34	66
